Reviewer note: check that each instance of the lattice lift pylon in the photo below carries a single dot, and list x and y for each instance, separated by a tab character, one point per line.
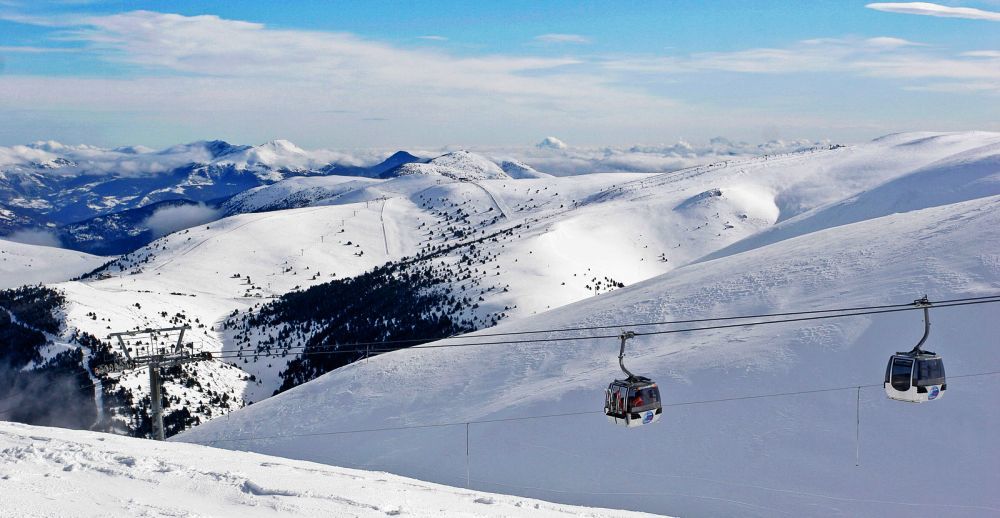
155	358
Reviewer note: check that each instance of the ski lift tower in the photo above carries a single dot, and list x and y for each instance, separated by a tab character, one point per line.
156	354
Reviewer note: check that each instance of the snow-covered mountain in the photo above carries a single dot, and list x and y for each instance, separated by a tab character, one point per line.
793	453
49	184
119	476
457	165
491	244
96	200
500	250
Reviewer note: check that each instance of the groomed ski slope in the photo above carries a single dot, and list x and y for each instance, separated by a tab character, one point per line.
55	472
791	455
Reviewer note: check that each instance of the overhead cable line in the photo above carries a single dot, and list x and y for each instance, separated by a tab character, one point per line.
550	416
908	305
816	315
368	349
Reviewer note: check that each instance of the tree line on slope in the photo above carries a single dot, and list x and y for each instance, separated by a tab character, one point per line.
57	390
390	302
35	389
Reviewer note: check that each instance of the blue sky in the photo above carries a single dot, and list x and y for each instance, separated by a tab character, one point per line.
397	74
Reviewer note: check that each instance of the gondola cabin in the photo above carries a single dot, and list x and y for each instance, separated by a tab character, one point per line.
916	377
633	402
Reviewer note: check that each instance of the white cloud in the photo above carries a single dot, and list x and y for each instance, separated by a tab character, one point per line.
35	237
556	157
995	54
433	37
891	43
562	38
880	57
551	143
929	9
213	46
36	50
40	21
179	217
955	87
241	81
24	155
206	69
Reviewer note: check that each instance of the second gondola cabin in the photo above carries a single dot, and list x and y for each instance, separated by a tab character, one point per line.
633	402
916	377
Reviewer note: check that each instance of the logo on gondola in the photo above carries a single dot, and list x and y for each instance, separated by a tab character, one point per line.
648	418
933	393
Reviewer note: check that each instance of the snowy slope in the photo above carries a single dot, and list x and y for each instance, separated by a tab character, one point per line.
206	272
568	239
519	170
761	457
22	264
558	241
966	175
53	472
293	193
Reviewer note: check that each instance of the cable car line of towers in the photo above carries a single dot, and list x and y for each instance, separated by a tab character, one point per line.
566	414
366	347
553	416
916	376
918	379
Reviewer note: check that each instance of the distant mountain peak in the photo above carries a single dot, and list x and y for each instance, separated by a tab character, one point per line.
461	164
282	145
401	155
395	160
471	163
219	148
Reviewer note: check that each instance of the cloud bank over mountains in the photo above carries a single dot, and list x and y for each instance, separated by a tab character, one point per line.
173	218
56	158
551	155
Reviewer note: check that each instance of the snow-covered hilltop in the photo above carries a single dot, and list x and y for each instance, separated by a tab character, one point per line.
22	264
458	165
59	188
99	200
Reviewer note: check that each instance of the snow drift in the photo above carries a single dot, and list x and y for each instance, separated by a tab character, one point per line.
52	472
